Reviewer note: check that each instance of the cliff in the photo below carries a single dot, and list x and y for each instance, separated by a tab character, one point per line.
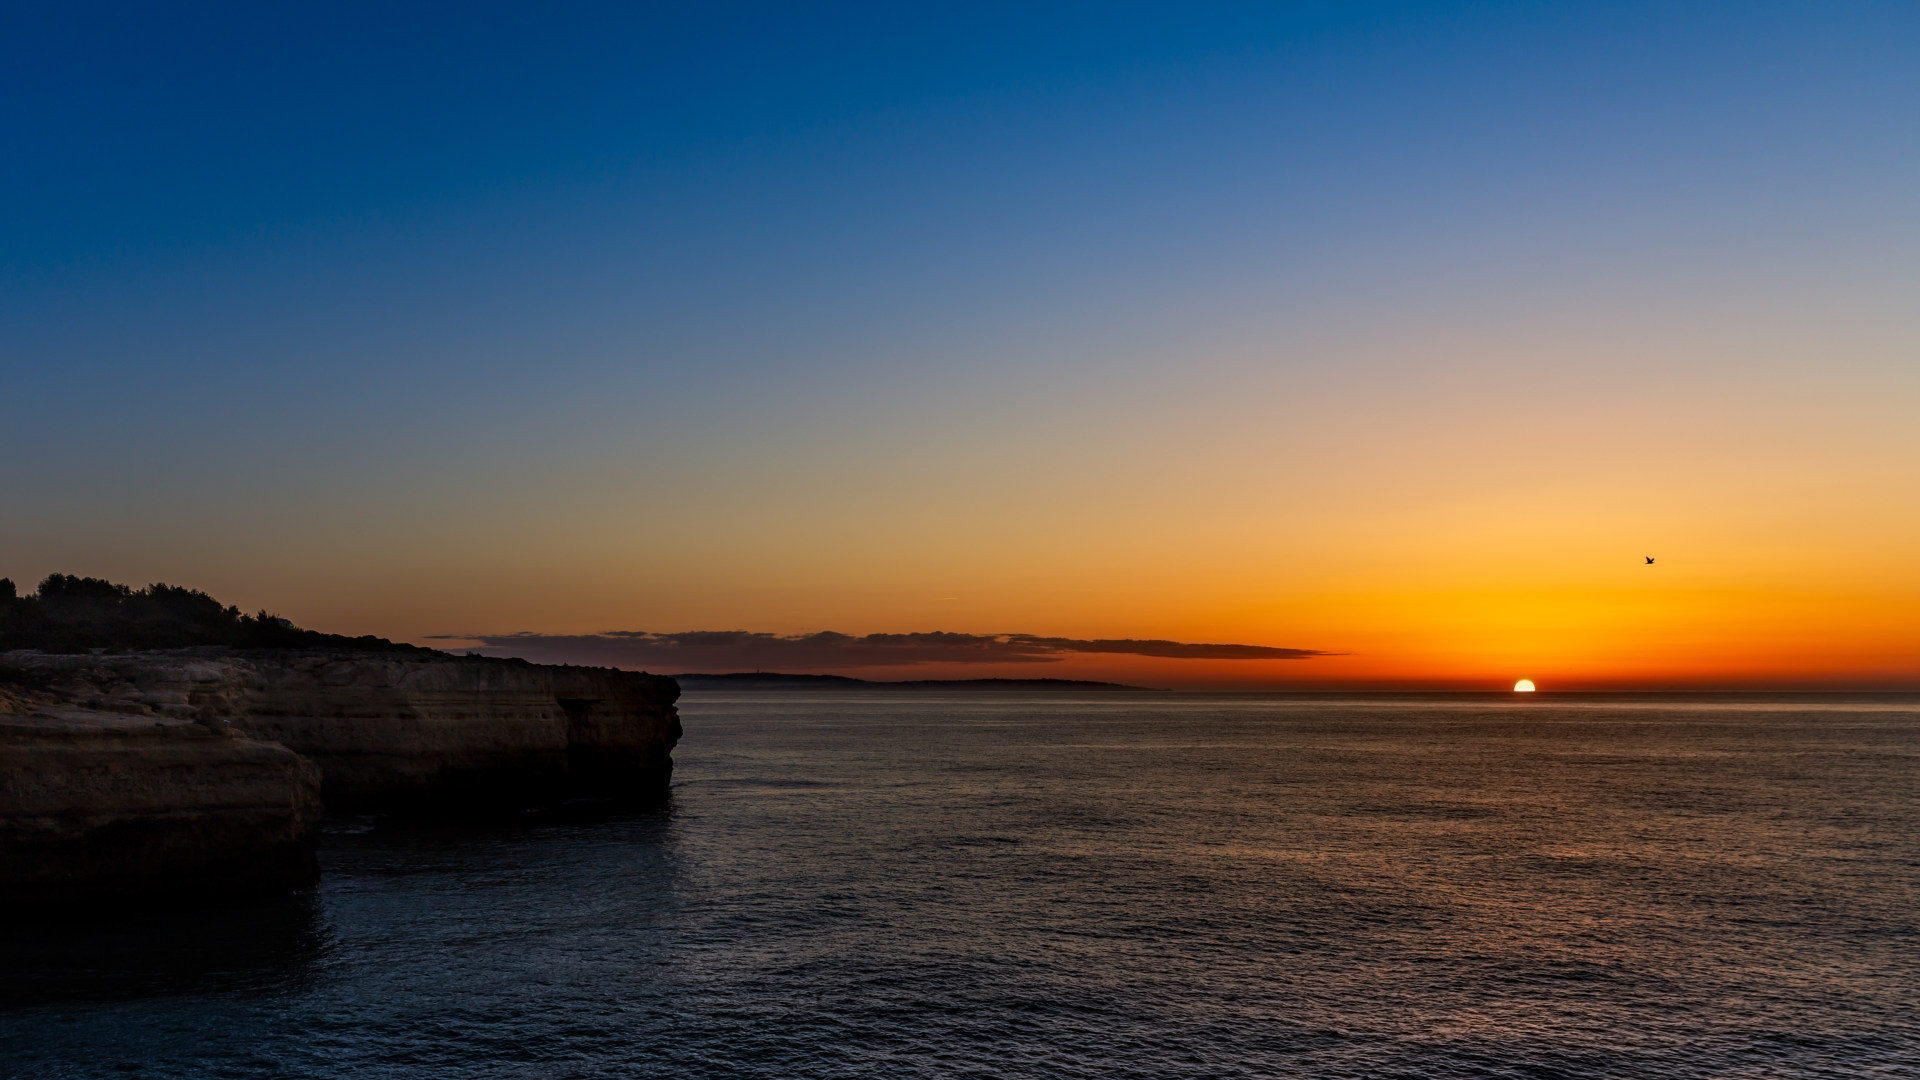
94	805
173	770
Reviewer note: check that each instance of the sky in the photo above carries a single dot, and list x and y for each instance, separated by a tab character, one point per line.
1389	339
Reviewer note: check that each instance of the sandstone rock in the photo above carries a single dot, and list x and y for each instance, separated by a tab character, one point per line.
96	805
204	770
391	730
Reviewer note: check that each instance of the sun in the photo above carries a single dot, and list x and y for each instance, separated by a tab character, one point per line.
1524	686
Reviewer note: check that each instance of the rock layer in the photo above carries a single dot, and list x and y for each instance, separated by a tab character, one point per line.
96	805
153	770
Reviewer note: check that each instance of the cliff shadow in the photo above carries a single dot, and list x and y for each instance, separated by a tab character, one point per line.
264	946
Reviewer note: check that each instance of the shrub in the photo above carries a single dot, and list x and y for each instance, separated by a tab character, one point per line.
68	613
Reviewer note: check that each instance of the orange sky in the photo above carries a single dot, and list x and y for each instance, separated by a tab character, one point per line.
1437	520
1403	340
1464	526
1438	505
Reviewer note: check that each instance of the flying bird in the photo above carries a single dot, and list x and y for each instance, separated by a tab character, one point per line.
1649	560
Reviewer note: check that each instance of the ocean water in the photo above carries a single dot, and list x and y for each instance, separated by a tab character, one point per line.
998	885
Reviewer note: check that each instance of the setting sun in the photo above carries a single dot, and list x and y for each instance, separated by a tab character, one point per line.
1524	686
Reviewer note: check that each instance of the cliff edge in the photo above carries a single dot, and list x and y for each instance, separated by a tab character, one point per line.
204	769
96	805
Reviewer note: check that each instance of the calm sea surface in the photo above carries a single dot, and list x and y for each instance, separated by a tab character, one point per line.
885	885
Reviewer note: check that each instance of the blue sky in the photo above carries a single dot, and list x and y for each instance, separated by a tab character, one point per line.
374	289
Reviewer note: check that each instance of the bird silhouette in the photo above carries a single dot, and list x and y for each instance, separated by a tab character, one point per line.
1649	560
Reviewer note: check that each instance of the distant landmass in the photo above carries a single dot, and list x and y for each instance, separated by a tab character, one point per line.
777	680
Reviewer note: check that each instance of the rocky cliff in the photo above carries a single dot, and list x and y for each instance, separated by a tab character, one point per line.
96	804
175	770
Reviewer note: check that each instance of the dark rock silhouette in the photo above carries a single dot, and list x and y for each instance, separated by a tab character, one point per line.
95	805
128	771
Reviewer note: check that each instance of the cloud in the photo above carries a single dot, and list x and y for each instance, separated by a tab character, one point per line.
743	650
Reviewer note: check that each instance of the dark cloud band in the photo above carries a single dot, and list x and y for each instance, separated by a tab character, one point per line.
743	650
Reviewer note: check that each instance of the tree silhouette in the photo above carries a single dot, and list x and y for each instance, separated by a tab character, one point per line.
68	613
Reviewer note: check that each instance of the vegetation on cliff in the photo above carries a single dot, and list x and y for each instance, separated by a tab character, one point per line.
72	614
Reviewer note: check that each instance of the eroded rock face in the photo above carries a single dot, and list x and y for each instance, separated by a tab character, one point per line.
204	771
391	730
98	805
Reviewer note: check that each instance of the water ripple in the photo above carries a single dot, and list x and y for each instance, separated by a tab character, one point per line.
865	886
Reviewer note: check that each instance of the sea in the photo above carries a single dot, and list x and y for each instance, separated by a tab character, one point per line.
1078	884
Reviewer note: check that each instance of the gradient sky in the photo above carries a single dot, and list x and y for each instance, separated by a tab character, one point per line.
1399	332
